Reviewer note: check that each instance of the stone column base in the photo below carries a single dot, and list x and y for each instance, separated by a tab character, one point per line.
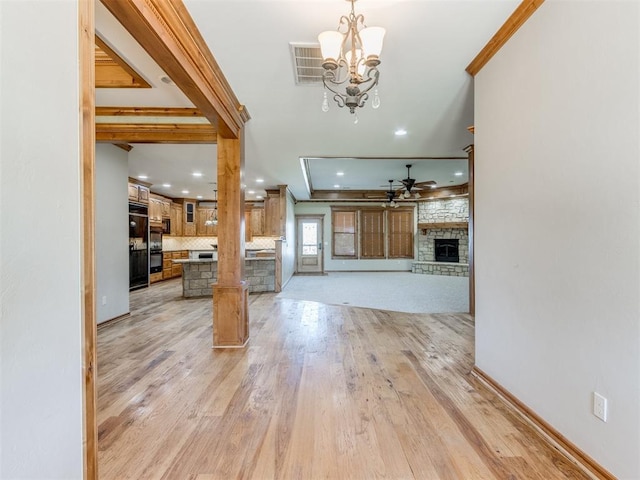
230	315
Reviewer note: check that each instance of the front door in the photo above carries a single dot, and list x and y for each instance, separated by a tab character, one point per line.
309	245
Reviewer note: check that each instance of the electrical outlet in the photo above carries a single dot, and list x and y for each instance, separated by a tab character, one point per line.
104	300
600	406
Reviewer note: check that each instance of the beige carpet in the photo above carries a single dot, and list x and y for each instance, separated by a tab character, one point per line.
395	291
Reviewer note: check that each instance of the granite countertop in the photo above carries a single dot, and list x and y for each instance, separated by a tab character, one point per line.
211	260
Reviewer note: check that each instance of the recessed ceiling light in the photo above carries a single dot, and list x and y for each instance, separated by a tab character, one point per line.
166	185
259	197
185	191
142	177
260	180
199	197
251	192
167	80
336	186
434	186
197	174
340	174
458	174
400	132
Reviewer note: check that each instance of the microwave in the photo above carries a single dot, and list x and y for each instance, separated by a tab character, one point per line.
166	226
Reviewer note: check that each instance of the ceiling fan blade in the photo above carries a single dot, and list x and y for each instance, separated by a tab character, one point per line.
424	185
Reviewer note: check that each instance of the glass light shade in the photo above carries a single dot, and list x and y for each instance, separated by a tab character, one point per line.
372	38
330	44
361	66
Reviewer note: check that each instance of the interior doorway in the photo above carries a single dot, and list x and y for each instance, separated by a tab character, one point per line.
309	245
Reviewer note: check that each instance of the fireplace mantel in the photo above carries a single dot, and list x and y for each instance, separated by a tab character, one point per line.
425	226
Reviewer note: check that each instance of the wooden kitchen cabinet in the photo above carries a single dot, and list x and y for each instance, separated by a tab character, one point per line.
133	192
272	214
138	193
248	233
189	215
203	215
155	277
165	207
170	269
167	265
155	211
176	219
257	221
176	268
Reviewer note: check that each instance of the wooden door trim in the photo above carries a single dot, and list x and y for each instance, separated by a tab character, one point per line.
472	270
86	58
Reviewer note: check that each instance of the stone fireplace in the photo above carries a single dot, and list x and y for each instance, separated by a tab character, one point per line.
443	238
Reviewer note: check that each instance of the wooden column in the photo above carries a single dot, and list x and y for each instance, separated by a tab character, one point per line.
230	293
472	277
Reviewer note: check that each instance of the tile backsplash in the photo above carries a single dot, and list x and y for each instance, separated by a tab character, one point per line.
204	243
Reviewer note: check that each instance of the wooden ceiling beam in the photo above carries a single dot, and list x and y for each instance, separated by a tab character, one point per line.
148	112
167	32
155	133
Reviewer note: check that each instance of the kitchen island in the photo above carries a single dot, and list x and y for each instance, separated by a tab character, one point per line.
199	275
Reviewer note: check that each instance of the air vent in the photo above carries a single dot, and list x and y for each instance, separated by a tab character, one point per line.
307	63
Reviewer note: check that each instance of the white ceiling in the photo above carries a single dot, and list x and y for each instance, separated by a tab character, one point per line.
423	88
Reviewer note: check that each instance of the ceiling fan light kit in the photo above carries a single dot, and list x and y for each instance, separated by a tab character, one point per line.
391	195
351	57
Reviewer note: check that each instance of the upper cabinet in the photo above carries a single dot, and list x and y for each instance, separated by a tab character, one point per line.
256	221
204	225
138	193
189	213
176	217
165	206
188	219
155	211
159	208
272	213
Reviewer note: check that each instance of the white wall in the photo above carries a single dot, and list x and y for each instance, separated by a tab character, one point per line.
112	235
289	244
40	235
321	208
557	241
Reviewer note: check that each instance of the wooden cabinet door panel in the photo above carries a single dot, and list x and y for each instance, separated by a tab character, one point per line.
133	192
257	222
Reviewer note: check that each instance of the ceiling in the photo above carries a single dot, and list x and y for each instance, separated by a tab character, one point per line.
424	90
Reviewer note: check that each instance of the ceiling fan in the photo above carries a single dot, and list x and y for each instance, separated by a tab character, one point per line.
409	184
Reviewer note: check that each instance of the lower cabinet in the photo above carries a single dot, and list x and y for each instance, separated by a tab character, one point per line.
156	277
170	269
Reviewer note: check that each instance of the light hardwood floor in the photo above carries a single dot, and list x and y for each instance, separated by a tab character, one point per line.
321	391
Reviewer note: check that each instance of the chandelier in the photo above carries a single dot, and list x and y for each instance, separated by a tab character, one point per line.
213	219
351	57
